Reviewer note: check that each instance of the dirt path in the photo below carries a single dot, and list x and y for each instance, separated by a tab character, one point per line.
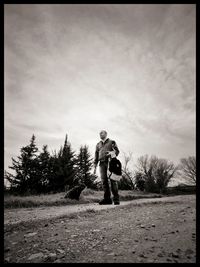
144	230
15	216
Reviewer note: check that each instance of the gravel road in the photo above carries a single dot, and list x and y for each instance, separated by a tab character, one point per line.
143	230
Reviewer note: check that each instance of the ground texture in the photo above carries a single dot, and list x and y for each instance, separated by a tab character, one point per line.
144	230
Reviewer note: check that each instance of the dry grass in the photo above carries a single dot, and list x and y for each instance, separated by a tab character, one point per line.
11	201
87	196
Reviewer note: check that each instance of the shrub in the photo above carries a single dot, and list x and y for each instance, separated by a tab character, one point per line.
153	174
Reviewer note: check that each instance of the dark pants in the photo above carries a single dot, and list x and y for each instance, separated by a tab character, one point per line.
103	166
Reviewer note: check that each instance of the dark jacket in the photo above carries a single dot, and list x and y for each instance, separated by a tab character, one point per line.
102	148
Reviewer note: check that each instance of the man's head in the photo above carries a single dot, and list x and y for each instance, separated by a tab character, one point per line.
103	134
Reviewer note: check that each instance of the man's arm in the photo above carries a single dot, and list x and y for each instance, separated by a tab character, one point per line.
115	147
96	156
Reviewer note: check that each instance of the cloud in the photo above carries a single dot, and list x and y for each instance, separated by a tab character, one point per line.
79	69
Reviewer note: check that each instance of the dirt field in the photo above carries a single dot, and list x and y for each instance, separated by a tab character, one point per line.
144	230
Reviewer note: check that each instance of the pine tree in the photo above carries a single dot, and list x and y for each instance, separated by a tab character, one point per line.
45	169
64	167
52	185
84	166
25	178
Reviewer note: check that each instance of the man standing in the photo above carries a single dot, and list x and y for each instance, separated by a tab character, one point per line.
102	153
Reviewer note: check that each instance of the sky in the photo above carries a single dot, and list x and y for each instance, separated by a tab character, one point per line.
78	69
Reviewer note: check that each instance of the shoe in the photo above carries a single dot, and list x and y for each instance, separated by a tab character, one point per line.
105	202
116	203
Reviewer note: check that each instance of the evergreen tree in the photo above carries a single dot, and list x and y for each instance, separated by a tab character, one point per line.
45	169
64	167
53	164
84	166
25	179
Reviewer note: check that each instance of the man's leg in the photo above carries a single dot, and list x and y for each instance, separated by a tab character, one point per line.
114	189
104	179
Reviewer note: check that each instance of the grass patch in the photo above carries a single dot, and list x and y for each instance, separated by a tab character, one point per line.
87	196
90	211
39	200
88	191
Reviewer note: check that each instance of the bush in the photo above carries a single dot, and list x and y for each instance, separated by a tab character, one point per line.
125	184
153	174
188	169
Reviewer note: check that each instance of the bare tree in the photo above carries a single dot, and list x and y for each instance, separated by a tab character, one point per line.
188	167
155	172
125	169
164	172
145	170
146	165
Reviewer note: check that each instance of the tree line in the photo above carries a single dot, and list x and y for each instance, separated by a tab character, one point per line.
153	174
39	172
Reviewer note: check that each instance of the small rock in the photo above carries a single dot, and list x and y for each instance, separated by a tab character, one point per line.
57	261
151	250
153	225
46	250
142	226
160	255
149	261
30	234
189	251
46	225
142	255
146	238
62	222
61	251
74	236
175	255
55	234
111	254
133	251
6	249
136	240
189	257
96	230
139	259
52	256
168	259
36	256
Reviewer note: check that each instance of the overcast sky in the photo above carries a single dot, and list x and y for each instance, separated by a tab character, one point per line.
78	69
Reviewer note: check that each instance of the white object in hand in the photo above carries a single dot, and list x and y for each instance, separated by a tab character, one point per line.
114	176
112	154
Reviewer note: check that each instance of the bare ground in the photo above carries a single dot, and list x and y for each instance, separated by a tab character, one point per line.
144	230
